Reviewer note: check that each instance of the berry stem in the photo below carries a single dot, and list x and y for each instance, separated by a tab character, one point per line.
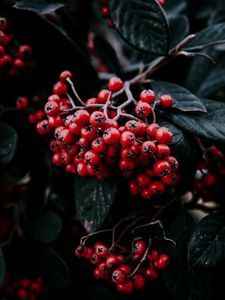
106	105
74	91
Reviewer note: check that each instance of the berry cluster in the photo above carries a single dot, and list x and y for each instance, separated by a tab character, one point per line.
125	272
13	59
23	289
92	137
210	174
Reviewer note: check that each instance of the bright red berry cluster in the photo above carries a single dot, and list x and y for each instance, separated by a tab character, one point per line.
95	136
129	272
210	174
24	289
13	59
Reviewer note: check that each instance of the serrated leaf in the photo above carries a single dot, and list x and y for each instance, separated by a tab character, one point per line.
142	24
94	200
183	100
107	54
152	230
176	277
207	244
179	29
2	267
46	228
212	35
8	143
40	7
208	126
52	267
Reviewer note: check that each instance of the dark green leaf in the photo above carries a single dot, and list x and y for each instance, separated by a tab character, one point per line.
142	24
94	200
99	293
183	100
218	13
107	54
209	126
207	244
175	8
209	36
176	276
40	7
52	267
179	29
8	142
152	230
46	228
205	78
2	267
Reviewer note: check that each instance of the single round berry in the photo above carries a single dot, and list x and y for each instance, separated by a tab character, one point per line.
112	261
119	276
173	162
105	11
143	180
132	126
92	158
97	118
134	188
71	168
143	109
101	250
139	247
60	88
25	52
54	146
42	127
52	108
22	294
66	137
153	255
111	136
162	262
148	148
57	159
209	179
163	135
151	273
157	188
162	167
162	151
82	169
64	75
147	96
103	96
115	84
89	132
81	117
138	281
98	145
22	102
151	129
171	178
166	101
127	139
125	287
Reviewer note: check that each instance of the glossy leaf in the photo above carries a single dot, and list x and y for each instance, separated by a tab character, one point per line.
148	28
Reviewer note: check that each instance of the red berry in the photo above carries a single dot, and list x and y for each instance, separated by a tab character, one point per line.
143	109
132	126
171	179
74	128
3	24
22	102
173	162
25	283
64	75
54	146
57	159
134	188
82	169
151	129
148	148
126	287
162	151
81	117
40	115
71	169
103	96
111	136
139	247
147	96
54	97
66	137
126	165
127	139
101	250
162	262
80	251
92	158
2	51
138	281
125	268
89	132
151	273
43	127
22	294
65	157
110	123
88	253
60	88
209	179
32	118
98	145
105	11
115	84
146	194
25	52
55	121
95	259
163	135
162	167
112	261
157	188
131	152
97	118
119	276
153	255
52	108
166	101
18	63
143	180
